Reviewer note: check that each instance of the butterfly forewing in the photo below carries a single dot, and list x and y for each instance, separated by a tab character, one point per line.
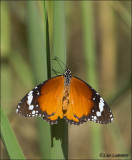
44	101
51	97
29	106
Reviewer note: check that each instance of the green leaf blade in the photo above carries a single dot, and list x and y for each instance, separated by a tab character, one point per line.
9	139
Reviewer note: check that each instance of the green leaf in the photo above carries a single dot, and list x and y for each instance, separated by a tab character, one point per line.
37	32
9	139
59	148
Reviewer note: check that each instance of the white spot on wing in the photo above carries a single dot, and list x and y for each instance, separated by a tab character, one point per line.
101	105
31	107
95	117
37	93
17	110
101	99
33	112
30	98
98	114
30	92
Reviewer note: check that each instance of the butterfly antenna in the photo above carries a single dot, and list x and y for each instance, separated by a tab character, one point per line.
56	72
58	60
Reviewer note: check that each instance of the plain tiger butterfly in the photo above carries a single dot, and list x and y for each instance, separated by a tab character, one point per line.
67	97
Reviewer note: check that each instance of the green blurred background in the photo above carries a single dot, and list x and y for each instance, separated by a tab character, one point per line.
111	34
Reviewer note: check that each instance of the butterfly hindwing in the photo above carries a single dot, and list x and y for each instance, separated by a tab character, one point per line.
100	113
87	104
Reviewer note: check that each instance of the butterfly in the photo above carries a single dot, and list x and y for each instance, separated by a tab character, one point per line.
68	97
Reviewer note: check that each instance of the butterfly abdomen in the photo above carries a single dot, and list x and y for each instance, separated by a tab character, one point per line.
65	99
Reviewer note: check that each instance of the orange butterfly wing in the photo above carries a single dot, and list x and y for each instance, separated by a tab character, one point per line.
85	104
50	99
80	101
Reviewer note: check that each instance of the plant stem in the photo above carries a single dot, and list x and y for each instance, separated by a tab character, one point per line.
59	149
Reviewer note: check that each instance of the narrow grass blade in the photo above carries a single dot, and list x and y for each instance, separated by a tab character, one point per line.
59	44
11	145
38	56
37	44
89	42
89	48
47	41
59	148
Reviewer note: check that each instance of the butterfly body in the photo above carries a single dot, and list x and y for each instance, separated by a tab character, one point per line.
66	97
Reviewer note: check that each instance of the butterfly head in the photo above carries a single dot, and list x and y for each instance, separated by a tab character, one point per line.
67	73
67	76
